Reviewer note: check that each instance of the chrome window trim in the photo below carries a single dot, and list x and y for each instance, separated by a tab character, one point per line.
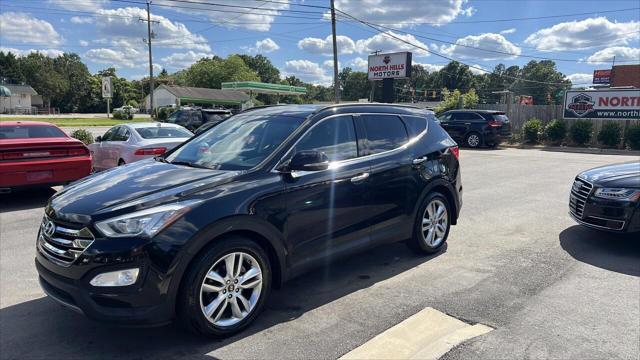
337	164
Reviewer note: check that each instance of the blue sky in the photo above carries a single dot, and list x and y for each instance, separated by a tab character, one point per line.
294	34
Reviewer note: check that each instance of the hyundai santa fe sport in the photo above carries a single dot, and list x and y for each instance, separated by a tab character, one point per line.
202	233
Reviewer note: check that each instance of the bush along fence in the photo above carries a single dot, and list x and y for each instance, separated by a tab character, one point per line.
546	121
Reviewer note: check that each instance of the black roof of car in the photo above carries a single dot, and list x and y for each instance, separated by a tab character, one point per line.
477	111
308	109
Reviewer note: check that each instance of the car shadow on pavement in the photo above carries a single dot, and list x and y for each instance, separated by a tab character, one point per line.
25	199
614	252
41	328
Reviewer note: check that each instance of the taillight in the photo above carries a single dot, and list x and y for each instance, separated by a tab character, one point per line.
455	151
151	151
78	152
495	123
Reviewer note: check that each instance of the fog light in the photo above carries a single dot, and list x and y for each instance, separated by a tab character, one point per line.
116	278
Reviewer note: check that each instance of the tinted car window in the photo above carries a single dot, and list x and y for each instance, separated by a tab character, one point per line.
30	131
384	132
110	134
335	137
172	119
415	124
121	135
156	132
502	118
238	143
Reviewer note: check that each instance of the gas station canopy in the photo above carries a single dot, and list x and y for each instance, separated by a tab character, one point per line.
265	88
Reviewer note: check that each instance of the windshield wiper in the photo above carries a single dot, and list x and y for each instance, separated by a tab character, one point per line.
188	163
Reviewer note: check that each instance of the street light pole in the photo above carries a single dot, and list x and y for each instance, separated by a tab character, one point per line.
336	82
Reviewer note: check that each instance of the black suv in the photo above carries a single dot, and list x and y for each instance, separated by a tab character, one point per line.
205	231
193	118
475	128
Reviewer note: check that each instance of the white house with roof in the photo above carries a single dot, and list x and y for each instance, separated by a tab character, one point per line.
16	99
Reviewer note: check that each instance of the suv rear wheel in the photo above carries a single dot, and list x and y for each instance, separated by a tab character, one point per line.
473	140
226	288
432	224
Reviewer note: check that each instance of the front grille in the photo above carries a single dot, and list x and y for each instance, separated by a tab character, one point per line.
579	193
61	244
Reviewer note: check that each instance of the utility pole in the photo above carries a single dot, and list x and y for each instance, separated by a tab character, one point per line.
336	82
150	35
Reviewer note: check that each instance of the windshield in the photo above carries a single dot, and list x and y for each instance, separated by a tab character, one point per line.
239	143
156	132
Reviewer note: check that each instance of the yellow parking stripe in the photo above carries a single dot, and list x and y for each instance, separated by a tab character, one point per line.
428	334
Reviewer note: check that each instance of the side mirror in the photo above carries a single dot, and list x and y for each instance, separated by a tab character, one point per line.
309	161
98	138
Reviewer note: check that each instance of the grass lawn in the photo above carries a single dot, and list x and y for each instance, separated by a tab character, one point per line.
73	122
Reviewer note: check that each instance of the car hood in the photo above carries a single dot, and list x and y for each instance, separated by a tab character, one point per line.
131	187
617	175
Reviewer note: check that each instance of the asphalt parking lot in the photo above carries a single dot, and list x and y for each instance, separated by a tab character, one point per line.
516	262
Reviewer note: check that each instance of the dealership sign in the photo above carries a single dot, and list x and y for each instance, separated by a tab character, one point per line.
602	104
390	66
602	76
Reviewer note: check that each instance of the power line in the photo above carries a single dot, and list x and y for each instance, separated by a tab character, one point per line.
243	7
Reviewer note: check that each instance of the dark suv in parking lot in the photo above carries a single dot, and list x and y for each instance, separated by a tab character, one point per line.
203	232
193	118
475	128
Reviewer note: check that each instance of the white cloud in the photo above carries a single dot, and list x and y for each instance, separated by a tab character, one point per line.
465	47
358	64
508	31
266	46
386	42
122	28
584	34
328	64
183	60
81	20
21	52
325	46
87	5
430	67
580	78
477	69
403	13
127	58
307	71
24	28
623	54
83	43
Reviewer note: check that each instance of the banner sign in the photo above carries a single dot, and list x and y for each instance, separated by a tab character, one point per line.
602	76
389	66
617	104
107	89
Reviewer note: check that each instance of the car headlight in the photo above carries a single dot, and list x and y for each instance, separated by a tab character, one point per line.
618	193
145	223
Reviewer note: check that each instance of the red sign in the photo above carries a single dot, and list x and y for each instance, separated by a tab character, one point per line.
602	76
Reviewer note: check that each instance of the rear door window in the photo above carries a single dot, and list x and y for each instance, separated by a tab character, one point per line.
383	133
335	137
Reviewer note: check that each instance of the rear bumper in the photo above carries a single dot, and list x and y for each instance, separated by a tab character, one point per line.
44	172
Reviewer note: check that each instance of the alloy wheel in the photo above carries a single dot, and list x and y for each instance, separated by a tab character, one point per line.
231	289
434	223
473	140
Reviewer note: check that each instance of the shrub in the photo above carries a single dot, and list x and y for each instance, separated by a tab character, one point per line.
162	113
555	131
580	131
532	130
632	137
610	134
83	135
122	115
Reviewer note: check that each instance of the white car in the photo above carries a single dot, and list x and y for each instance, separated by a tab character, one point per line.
126	143
128	108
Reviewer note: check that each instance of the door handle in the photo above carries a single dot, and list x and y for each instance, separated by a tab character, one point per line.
467	123
419	161
360	178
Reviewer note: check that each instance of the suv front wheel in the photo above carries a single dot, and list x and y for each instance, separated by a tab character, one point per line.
226	288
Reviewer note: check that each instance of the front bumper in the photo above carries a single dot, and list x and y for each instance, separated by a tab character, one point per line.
608	215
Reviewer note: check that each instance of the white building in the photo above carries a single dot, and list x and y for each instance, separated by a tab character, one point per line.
19	102
168	95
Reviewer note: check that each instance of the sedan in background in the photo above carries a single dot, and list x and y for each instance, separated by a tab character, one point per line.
608	198
39	153
127	143
475	128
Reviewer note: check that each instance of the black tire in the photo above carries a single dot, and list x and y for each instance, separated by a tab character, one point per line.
470	140
121	162
418	242
189	309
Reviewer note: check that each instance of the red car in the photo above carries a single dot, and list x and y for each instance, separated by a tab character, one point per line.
39	153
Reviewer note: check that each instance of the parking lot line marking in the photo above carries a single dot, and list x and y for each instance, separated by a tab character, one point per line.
429	334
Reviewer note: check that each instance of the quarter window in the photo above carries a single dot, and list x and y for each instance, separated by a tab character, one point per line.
415	124
384	133
335	137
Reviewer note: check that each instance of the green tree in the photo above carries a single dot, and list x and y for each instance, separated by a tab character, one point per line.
212	72
76	75
10	68
354	84
40	72
543	76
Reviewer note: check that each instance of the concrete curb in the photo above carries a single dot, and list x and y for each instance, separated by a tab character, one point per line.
571	149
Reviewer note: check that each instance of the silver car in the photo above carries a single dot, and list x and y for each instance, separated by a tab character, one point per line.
126	143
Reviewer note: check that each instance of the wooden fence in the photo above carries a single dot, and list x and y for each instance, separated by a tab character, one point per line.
519	114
